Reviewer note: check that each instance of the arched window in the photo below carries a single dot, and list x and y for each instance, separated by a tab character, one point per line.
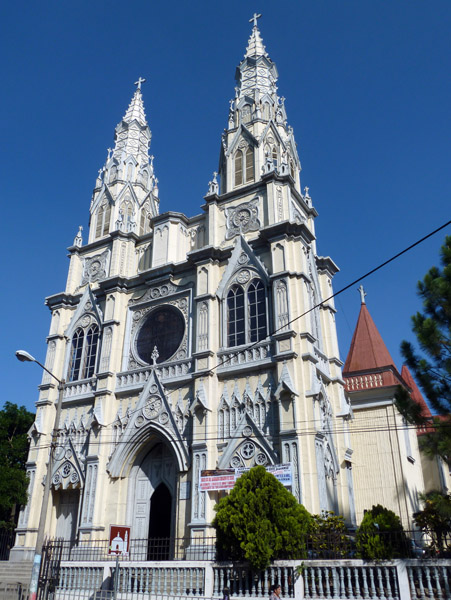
257	311
129	175
83	353
244	166
266	111
235	316
103	219
274	156
92	341
246	113
246	314
76	352
249	164
144	222
127	214
238	167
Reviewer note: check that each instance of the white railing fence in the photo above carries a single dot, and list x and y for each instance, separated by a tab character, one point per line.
204	580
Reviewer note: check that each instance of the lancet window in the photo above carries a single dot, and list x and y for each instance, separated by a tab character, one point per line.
144	222
83	356
244	166
127	215
103	219
246	313
246	113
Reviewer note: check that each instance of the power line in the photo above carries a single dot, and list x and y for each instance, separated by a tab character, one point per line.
296	318
359	430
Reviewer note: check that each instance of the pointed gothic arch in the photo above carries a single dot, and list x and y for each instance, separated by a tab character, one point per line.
103	219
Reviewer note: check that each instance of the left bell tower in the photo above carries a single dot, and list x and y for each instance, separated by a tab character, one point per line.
125	196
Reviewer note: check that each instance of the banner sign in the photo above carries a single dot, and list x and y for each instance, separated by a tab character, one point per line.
224	479
119	543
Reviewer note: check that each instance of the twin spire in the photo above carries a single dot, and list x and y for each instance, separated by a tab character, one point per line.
128	174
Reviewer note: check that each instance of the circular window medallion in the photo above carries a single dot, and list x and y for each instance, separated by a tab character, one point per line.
152	408
164	418
261	459
243	276
247	431
248	450
235	462
164	329
67	468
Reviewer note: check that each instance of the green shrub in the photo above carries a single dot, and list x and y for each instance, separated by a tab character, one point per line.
260	521
381	535
328	536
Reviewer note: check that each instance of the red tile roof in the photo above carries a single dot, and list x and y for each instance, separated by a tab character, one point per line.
415	393
368	350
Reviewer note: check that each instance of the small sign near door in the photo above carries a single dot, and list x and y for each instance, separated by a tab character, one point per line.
119	543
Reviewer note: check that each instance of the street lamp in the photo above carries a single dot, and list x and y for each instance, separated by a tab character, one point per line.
25	356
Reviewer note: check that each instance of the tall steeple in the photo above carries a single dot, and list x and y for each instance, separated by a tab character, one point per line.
133	135
126	193
257	140
369	363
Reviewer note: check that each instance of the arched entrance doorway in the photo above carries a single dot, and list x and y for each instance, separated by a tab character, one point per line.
160	524
151	505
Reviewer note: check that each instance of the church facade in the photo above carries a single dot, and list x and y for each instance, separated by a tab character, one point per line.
192	343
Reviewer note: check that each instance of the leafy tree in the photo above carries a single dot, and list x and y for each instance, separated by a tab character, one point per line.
15	422
260	521
432	368
435	519
328	536
381	535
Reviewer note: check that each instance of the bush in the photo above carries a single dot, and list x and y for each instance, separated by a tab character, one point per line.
381	535
328	536
435	520
260	521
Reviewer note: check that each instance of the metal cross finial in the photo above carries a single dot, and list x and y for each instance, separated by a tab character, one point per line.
139	82
362	294
254	19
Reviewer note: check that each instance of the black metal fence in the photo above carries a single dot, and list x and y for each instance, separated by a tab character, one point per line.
7	537
152	549
329	546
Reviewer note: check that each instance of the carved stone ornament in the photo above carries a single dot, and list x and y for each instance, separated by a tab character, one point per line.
243	259
154	293
242	218
95	268
243	276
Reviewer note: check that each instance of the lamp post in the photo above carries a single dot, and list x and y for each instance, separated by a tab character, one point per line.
24	356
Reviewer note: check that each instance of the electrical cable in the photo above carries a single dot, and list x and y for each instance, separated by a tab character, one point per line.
296	318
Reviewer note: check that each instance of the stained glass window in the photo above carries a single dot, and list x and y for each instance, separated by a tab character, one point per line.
163	329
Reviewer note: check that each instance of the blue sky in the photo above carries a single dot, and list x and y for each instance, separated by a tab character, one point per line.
367	90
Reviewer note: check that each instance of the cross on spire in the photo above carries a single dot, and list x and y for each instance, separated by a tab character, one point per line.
254	19
362	294
139	82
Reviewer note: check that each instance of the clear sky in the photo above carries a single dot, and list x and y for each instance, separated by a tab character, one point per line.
367	88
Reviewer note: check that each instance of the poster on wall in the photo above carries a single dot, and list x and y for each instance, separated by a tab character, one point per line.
119	543
215	480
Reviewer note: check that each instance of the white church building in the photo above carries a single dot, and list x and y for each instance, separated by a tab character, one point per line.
192	343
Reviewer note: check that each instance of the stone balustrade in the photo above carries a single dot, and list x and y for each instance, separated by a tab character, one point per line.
411	579
138	377
82	387
230	360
